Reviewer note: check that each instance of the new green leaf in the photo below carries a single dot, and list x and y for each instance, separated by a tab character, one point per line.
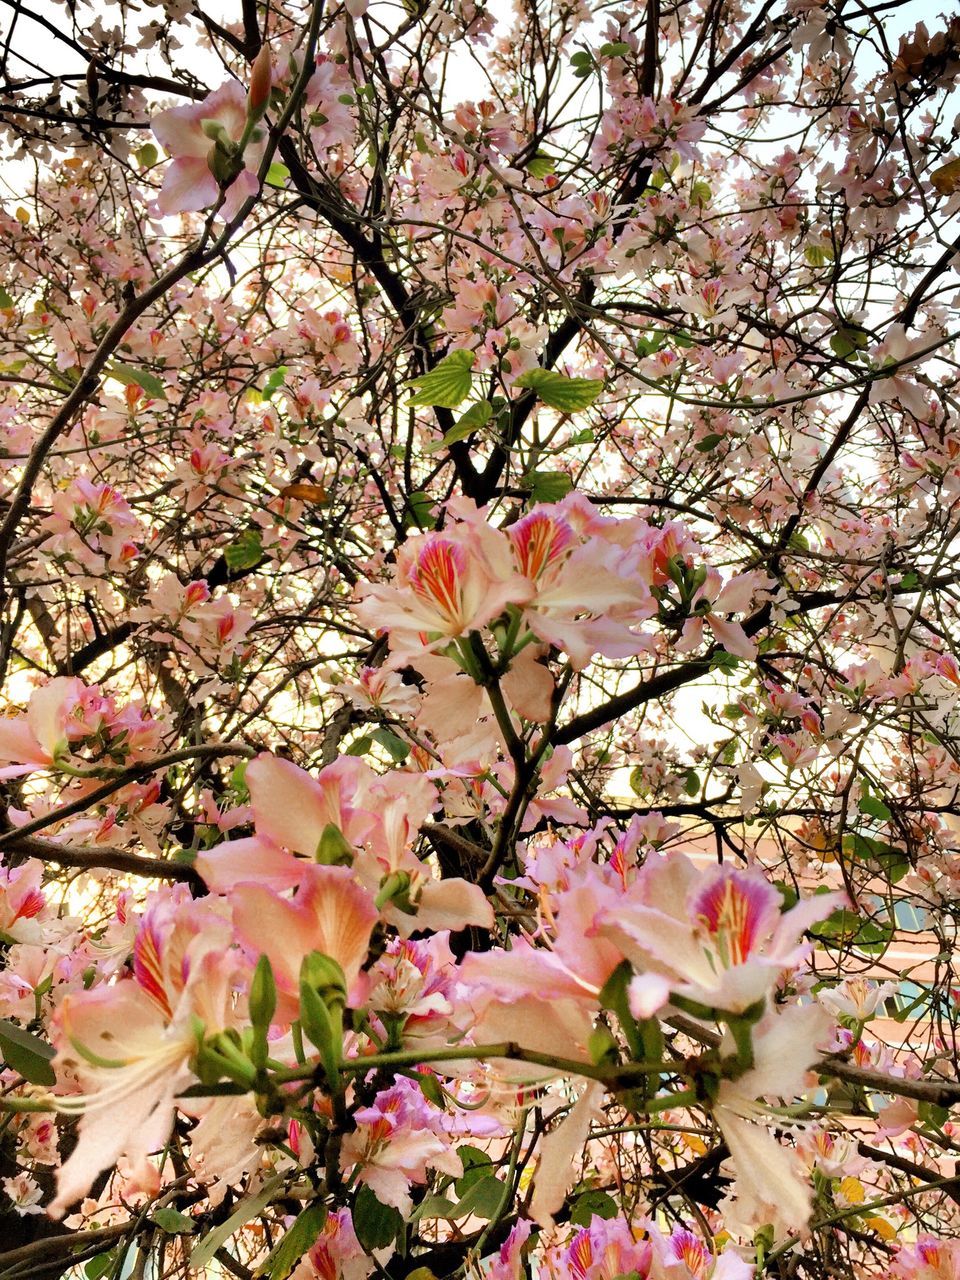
567	395
447	384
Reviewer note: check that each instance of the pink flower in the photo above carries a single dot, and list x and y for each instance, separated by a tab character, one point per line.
605	1249
129	1045
337	1254
188	134
771	1183
21	901
928	1259
508	1264
292	810
414	981
684	1256
574	586
715	937
395	1142
444	587
39	738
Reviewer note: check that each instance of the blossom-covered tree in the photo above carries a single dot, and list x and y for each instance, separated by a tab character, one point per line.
479	629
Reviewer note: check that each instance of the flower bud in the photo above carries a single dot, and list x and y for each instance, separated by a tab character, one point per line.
263	994
224	165
214	130
395	888
333	849
262	1004
261	80
325	977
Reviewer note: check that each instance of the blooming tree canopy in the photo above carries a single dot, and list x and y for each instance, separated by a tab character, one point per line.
479	632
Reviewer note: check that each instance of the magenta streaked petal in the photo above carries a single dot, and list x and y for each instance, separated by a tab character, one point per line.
539	541
739	910
437	577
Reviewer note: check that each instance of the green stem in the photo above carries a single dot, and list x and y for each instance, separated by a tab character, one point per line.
622	1076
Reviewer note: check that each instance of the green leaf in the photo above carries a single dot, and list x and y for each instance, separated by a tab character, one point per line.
274	382
477	1164
26	1053
617	49
376	1225
99	1266
395	747
478	415
547	486
874	808
691	783
301	1236
417	513
128	376
482	1200
700	192
431	1089
277	175
173	1222
248	1208
434	1207
592	1204
845	928
541	165
708	443
245	552
893	861
359	746
847	340
724	661
6	302
567	395
147	155
447	384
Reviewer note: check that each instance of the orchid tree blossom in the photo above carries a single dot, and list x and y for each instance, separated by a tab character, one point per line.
330	912
445	588
201	139
717	939
129	1046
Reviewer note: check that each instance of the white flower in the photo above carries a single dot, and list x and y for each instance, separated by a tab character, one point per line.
24	1193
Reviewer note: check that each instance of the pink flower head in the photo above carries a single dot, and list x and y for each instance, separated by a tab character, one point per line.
716	937
185	133
445	586
685	1256
606	1249
291	810
928	1259
337	1253
738	911
508	1264
21	901
130	1044
415	980
541	541
39	738
396	1140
